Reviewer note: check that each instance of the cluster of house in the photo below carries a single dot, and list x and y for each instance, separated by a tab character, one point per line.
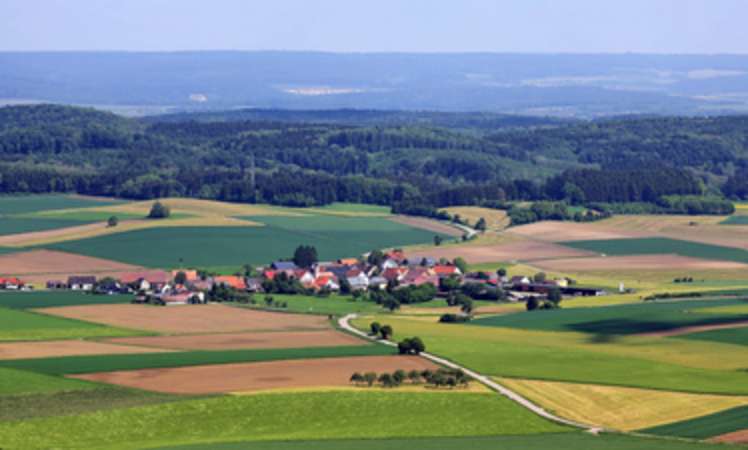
359	274
13	284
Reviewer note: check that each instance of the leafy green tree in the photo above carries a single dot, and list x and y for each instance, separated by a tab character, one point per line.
540	277
399	376
438	240
305	256
112	222
554	296
376	258
414	376
180	278
480	225
375	327
461	264
345	286
532	304
467	307
386	380
501	272
370	378
386	332
357	378
159	211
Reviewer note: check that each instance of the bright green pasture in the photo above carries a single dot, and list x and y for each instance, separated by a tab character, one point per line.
360	414
643	317
69	365
654	363
14	225
335	304
724	422
23	204
334	237
660	246
737	336
87	397
545	441
17	382
735	220
16	325
48	299
87	215
354	208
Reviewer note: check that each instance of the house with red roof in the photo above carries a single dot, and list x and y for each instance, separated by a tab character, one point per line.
446	270
231	281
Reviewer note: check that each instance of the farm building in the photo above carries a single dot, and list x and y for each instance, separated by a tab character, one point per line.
81	283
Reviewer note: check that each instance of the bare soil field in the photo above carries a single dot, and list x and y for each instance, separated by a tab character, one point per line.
27	350
189	318
634	263
513	251
428	224
696	329
232	341
43	265
737	437
555	231
247	377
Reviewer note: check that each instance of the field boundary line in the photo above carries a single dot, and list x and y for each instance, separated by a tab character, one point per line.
344	323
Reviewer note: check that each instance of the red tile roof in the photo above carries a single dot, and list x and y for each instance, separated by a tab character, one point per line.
234	282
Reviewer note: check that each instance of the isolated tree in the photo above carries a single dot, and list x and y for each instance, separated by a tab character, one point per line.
370	378
467	306
180	278
417	346
554	296
532	304
159	211
540	277
438	240
112	222
305	256
501	272
345	286
386	332
480	225
375	327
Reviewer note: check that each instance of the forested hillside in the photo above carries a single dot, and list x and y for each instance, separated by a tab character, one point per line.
312	158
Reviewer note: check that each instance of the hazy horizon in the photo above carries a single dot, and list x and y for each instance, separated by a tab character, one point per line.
660	27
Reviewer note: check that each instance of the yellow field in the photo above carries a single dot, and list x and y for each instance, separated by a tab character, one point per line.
618	408
495	219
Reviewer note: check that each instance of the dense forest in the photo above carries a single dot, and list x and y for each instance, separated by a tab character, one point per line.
408	160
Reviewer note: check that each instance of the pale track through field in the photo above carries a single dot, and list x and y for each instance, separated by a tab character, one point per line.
344	323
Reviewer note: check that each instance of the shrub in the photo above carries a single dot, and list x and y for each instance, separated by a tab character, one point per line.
159	211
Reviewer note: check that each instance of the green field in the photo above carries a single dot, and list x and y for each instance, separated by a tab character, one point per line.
664	364
17	382
69	365
620	320
283	416
48	299
355	208
14	225
86	398
724	422
736	336
16	325
554	441
86	215
735	220
23	204
659	246
335	304
334	237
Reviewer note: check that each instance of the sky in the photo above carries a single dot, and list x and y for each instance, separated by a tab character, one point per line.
535	26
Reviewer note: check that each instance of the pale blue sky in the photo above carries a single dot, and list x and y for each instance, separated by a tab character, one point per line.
586	26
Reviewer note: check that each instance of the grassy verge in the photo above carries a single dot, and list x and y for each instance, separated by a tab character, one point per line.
286	416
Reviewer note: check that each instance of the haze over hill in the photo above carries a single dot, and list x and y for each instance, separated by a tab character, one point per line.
556	85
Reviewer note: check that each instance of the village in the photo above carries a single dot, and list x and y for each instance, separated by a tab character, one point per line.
372	273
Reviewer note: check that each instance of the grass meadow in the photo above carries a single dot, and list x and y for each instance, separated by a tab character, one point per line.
18	382
24	204
283	416
49	299
724	422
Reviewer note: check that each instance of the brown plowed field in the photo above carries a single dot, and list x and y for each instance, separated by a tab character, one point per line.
554	231
428	225
39	266
515	251
634	263
737	437
189	318
248	377
278	339
23	350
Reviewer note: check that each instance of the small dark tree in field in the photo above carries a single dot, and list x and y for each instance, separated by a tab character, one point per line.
411	346
386	332
438	240
370	378
532	304
414	376
554	296
112	222
159	211
450	283
345	286
481	224
540	277
180	278
357	378
399	376
501	272
461	264
375	327
467	306
269	300
386	380
391	303
376	258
